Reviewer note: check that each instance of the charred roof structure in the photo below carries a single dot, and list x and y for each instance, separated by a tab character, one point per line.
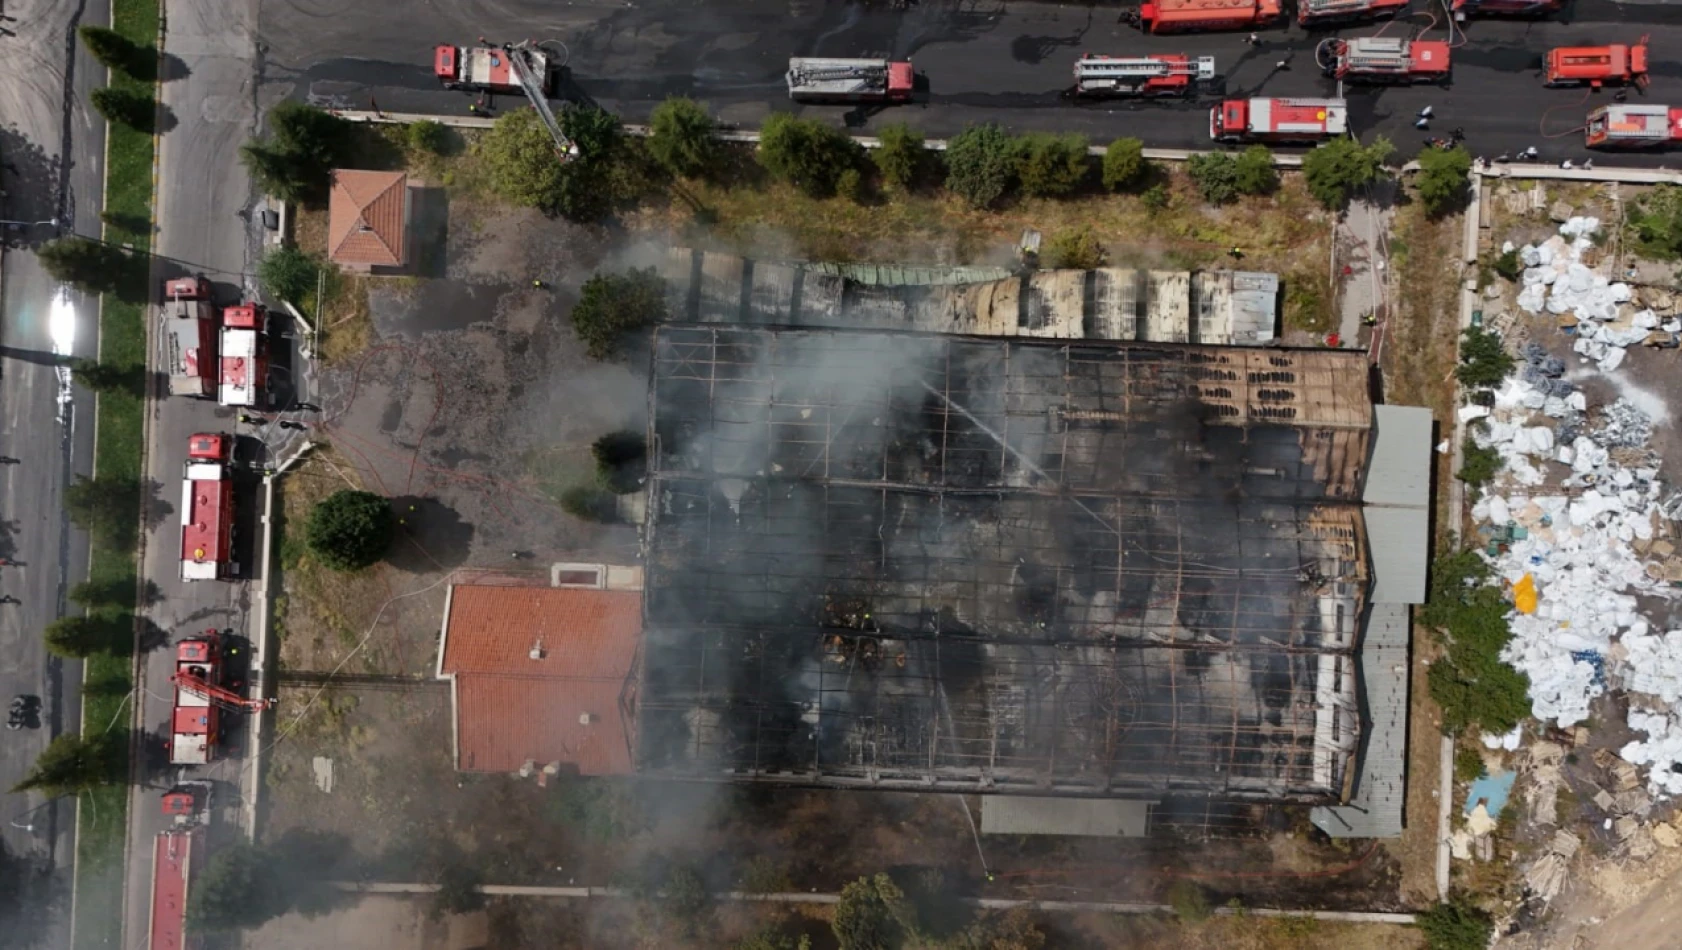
941	562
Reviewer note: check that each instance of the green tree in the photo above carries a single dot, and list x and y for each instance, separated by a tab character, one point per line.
1468	764
459	891
107	507
350	530
1455	924
900	155
100	595
109	377
72	764
597	133
239	887
590	503
681	137
806	153
130	107
117	52
1444	179
1051	166
80	637
686	896
1508	265
1073	249
868	915
1216	176
621	460
522	165
772	937
1335	169
1255	173
1655	223
1124	164
428	137
122	221
1469	617
1477	465
89	265
980	165
1484	360
289	274
610	306
304	145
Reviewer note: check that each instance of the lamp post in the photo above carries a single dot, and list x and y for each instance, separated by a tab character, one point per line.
29	826
51	222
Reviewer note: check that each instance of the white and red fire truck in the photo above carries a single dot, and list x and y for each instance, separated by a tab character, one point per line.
189	337
207	509
245	356
1168	74
1626	126
1278	120
1384	59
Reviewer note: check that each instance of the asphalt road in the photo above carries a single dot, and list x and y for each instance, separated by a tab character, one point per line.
53	153
1006	62
204	193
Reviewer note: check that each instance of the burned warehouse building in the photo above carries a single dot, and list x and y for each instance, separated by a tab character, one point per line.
913	561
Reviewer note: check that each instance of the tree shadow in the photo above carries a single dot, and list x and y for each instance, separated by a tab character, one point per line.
148	636
156	508
429	232
430	536
171	67
29	177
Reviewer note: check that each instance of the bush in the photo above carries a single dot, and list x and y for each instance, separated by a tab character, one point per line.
1216	176
1255	174
73	763
980	165
900	157
806	153
428	137
522	166
130	107
1074	249
1456	925
106	507
621	461
458	891
850	185
868	915
520	161
613	305
244	885
82	637
1468	765
96	596
1051	166
350	530
1484	360
590	503
89	265
1155	198
1509	265
1477	465
1655	223
681	137
1444	179
1335	169
1190	904
1470	682
1124	164
305	145
289	274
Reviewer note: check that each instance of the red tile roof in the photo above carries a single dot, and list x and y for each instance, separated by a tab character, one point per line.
569	706
367	217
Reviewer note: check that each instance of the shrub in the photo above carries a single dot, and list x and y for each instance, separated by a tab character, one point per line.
868	915
1074	248
1190	904
1216	176
1655	223
1335	169
130	107
850	185
1456	925
1478	465
1051	166
900	156
1124	164
1155	198
1468	764
681	137
1254	171
1484	360
979	165
613	305
806	153
1509	265
621	461
1470	682
590	503
520	161
458	891
289	274
305	145
350	530
428	137
1443	179
81	637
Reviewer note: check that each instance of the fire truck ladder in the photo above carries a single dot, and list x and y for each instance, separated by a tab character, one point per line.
1203	67
837	73
534	91
227	699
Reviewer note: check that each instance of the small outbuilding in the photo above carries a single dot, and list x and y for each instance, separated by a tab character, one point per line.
368	219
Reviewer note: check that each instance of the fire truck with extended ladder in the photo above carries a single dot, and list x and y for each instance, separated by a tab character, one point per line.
189	337
1624	126
1314	13
523	67
207	509
245	356
1383	59
1193	16
1170	74
176	852
1463	9
200	698
1596	66
1278	120
850	80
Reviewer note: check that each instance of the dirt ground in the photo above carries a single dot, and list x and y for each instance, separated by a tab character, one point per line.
375	920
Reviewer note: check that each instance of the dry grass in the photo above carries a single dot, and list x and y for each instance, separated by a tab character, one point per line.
1246	933
325	610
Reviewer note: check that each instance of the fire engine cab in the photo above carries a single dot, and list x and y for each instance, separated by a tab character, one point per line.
1626	127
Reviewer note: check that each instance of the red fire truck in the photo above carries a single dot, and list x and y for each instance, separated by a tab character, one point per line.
493	69
176	853
245	355
850	80
1625	126
1596	66
189	337
1170	74
1278	120
200	697
1313	13
207	509
1383	59
1195	16
1504	8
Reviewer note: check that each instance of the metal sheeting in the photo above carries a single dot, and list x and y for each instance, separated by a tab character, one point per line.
1375	811
1397	496
1089	818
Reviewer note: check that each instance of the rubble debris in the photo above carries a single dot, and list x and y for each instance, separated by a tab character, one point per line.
1556	279
1604	800
1479	822
1665	836
1622	426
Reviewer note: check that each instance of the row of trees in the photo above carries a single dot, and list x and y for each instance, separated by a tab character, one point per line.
131	104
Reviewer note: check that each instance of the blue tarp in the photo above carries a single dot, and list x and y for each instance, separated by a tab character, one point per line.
1492	790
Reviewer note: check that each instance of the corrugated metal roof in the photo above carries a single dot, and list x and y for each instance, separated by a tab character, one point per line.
1398	496
1376	811
1400	543
1087	817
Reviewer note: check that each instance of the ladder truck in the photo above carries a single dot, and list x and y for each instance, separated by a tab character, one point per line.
523	67
1200	16
207	509
1383	59
1142	76
1463	9
245	356
1596	66
188	339
850	80
1325	13
1627	127
1278	120
200	698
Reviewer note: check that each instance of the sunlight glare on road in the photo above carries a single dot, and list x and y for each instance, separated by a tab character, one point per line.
61	323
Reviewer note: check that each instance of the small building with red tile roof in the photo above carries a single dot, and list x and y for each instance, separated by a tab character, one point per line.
368	219
541	676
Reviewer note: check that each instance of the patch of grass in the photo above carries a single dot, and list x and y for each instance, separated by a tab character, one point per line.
1308	302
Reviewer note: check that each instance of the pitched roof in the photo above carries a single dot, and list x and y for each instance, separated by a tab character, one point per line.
366	217
569	704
